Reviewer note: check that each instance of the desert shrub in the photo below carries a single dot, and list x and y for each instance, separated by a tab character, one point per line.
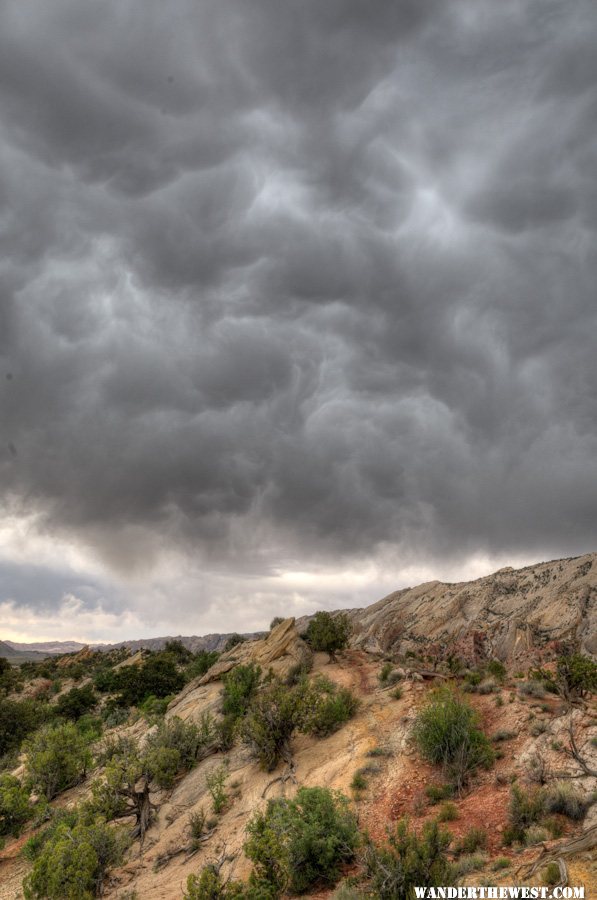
397	693
73	861
472	840
525	809
535	834
177	650
162	764
297	843
359	782
328	633
240	685
158	676
15	808
379	751
503	735
531	688
200	664
551	874
576	674
437	792
563	797
226	730
299	670
470	862
233	641
216	781
57	758
184	737
113	715
497	669
448	812
197	826
385	672
447	733
502	862
408	860
487	687
277	620
273	717
153	708
209	885
328	707
91	727
554	826
76	702
18	718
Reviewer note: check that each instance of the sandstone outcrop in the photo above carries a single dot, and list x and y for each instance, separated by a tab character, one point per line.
513	614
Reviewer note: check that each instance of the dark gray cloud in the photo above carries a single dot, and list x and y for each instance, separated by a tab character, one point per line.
285	285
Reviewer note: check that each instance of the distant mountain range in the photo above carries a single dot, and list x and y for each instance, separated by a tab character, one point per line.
15	656
18	652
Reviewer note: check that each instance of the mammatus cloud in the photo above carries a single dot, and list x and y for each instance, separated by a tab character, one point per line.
297	302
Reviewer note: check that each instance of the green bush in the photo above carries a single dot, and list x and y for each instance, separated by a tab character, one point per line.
72	863
438	792
15	808
57	758
216	781
448	812
240	685
576	674
447	733
273	717
525	809
295	844
200	664
328	707
532	689
474	839
208	885
18	718
233	641
162	764
385	672
551	874
184	737
158	676
91	727
497	669
562	797
76	702
328	633
409	860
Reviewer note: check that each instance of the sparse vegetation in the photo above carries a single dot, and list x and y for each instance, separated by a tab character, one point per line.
58	757
409	859
327	707
15	808
72	861
473	839
328	633
447	733
297	843
216	781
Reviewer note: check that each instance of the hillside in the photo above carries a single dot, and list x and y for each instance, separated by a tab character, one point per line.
483	639
509	614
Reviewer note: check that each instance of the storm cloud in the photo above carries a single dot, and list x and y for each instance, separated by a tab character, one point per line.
292	287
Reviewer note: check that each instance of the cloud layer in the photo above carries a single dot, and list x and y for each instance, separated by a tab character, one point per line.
303	287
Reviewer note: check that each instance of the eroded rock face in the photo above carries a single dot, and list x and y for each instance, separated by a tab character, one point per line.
280	651
512	614
67	661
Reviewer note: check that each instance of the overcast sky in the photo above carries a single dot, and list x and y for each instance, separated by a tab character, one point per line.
298	304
